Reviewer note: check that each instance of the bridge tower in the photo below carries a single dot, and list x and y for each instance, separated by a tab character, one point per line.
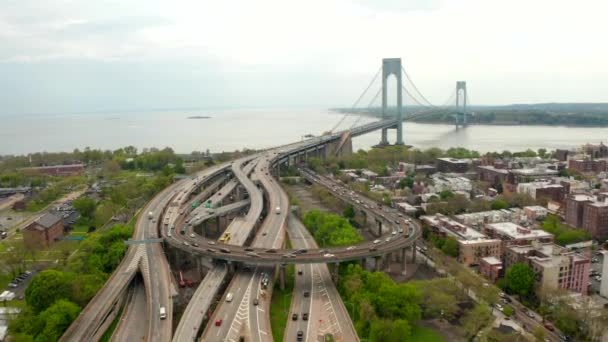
392	66
461	90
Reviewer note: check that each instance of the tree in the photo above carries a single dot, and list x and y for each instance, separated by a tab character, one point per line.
508	311
401	329
539	333
450	247
475	319
499	204
520	279
46	288
56	319
446	194
349	211
85	206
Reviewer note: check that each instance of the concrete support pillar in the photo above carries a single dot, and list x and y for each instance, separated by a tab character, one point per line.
282	277
414	252
378	263
363	263
403	261
336	272
379	227
231	267
384	140
387	262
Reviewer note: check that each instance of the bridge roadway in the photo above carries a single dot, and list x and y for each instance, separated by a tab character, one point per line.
324	307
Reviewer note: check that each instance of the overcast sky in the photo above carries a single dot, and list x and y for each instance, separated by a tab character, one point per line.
79	56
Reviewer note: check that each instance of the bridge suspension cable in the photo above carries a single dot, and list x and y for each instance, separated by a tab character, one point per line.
369	106
356	103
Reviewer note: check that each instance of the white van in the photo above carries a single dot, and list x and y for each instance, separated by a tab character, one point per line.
229	297
163	312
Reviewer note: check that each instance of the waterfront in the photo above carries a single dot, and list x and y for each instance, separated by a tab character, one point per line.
228	130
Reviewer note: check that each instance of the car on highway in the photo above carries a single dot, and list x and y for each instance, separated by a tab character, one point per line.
192	235
289	255
377	241
305	316
218	322
294	317
256	301
498	306
272	250
249	249
224	250
351	248
211	250
300	271
252	254
549	326
211	242
306	294
162	312
328	255
300	335
195	244
229	297
301	250
388	239
186	243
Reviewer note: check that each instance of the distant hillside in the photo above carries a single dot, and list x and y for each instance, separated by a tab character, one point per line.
561	114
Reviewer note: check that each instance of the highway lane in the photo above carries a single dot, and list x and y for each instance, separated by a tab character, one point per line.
242	319
131	327
240	228
91	317
327	313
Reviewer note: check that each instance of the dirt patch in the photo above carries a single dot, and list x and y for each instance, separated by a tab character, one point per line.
307	201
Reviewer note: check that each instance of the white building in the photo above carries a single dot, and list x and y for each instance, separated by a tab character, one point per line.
443	182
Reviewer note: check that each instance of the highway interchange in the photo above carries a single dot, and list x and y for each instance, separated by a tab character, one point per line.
253	253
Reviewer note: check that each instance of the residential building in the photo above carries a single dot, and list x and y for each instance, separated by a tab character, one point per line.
491	268
491	174
426	169
595	151
450	182
542	189
477	220
517	176
57	170
43	232
472	245
406	208
370	175
535	212
587	165
514	234
554	266
452	165
589	213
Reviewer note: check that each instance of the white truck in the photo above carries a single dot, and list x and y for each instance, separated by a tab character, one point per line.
150	215
162	312
277	210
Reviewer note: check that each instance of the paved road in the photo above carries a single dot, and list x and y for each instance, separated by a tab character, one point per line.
132	327
327	313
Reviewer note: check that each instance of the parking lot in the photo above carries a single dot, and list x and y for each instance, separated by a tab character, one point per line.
20	285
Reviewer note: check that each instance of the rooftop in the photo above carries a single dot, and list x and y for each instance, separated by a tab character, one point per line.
492	260
46	221
515	231
457	230
493	169
532	172
454	160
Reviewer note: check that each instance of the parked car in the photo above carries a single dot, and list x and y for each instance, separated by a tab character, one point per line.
549	326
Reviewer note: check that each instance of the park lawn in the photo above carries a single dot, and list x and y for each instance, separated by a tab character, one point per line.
424	334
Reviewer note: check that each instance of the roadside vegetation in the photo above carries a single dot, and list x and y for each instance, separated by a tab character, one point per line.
55	296
564	234
330	230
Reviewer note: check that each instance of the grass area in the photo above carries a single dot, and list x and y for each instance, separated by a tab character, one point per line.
424	334
80	229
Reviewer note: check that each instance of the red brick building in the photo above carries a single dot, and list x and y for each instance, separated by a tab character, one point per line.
589	213
58	170
491	268
587	165
43	232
